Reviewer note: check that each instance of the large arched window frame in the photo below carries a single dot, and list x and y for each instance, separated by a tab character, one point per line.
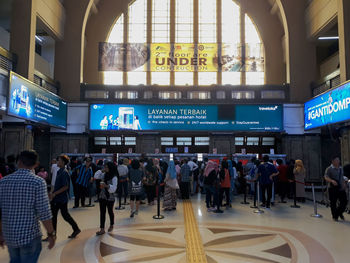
189	21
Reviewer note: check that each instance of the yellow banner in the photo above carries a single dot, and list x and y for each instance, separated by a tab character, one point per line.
183	58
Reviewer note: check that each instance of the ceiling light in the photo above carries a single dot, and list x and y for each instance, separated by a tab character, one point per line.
328	38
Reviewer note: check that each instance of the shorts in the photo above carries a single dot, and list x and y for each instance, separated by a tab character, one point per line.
133	197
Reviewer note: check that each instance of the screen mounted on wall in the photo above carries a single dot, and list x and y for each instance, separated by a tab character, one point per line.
328	108
115	117
28	101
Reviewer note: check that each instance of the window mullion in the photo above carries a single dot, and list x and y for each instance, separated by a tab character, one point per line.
195	36
149	39
243	46
172	36
219	38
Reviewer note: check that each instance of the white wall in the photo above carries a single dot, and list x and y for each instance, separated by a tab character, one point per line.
293	119
77	118
43	66
4	39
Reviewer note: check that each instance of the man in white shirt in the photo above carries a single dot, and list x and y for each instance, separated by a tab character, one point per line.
54	170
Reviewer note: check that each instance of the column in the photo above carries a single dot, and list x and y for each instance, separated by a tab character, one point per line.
344	39
23	29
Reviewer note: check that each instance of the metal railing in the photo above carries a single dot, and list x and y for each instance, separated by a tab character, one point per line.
8	61
46	82
329	82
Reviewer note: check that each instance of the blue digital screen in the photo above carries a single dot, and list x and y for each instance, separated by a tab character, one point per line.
28	101
186	117
327	108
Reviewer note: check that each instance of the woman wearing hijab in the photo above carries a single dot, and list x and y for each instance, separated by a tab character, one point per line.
299	175
171	185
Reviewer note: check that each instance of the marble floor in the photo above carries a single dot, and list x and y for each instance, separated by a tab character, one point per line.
191	234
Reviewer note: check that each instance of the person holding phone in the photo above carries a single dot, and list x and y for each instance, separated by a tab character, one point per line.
108	186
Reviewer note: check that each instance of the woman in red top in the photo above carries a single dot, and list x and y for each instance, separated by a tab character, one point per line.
225	182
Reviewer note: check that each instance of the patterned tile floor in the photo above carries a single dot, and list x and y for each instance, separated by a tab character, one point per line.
282	235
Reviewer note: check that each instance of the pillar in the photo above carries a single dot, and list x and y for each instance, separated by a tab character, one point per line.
344	39
22	42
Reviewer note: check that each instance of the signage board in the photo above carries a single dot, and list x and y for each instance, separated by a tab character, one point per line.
29	101
257	118
328	108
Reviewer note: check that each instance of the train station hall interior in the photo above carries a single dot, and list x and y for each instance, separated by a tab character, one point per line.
252	93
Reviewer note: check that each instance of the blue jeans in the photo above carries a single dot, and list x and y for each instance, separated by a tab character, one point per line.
26	254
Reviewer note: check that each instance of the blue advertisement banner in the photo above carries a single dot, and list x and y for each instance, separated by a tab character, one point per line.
186	117
327	108
28	101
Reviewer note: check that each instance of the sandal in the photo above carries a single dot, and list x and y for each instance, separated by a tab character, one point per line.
101	232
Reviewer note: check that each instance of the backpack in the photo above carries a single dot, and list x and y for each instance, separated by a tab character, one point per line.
136	188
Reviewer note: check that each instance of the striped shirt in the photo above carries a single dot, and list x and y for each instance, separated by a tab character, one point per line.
84	176
23	202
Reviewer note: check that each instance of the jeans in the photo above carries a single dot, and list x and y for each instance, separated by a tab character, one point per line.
335	195
266	188
210	192
26	254
65	214
103	205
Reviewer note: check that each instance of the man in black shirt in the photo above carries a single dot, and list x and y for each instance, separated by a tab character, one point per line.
59	196
335	177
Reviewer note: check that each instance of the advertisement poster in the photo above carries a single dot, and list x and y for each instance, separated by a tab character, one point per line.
31	102
330	107
186	117
179	57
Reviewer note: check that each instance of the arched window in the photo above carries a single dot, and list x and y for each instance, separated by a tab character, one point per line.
195	25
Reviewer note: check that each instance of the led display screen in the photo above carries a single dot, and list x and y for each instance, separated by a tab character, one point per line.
327	108
28	101
186	117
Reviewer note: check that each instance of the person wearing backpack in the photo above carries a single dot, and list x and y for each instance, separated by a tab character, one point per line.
108	186
136	178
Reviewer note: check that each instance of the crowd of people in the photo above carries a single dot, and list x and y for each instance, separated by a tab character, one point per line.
140	180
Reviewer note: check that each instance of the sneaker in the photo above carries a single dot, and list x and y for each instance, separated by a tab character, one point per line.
132	214
75	233
101	232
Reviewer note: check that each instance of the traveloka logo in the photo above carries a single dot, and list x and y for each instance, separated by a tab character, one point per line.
268	108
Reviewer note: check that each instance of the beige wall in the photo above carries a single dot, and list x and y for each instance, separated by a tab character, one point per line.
320	15
52	14
68	52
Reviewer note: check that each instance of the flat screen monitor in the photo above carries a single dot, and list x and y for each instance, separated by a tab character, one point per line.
328	108
29	101
115	117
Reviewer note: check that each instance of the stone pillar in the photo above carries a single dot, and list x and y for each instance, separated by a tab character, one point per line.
22	42
345	146
344	38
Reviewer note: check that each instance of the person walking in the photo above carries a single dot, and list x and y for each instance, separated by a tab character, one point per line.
85	174
334	175
108	186
266	172
23	202
59	197
299	175
136	178
171	185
